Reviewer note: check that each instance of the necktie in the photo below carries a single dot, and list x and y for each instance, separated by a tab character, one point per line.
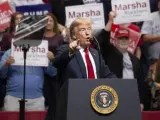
89	65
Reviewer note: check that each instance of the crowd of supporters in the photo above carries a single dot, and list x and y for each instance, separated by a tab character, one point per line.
43	82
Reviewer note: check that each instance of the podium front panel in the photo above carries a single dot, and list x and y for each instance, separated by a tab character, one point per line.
79	100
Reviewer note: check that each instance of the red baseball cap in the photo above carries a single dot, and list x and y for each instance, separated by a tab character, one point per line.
122	32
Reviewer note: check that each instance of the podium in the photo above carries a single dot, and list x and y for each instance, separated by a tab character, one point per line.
74	100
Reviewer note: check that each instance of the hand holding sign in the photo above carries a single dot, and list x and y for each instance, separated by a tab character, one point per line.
10	60
50	55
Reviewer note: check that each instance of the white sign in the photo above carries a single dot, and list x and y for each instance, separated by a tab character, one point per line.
94	12
36	56
131	11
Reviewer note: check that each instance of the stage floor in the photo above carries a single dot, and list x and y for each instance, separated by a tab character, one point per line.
40	115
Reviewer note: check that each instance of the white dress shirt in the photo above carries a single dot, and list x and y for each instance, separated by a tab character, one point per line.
127	67
81	50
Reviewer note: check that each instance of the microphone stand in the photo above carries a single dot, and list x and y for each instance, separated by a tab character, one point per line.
99	53
22	101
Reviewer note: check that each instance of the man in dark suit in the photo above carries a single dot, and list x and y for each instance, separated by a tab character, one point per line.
119	60
58	7
78	60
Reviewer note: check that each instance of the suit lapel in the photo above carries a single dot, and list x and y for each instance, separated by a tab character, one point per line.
81	64
96	60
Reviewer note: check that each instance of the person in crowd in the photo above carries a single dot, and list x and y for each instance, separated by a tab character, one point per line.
51	33
119	60
135	28
154	85
58	7
151	35
80	61
34	83
5	43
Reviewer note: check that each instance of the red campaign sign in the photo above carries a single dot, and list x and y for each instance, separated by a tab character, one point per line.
5	15
134	36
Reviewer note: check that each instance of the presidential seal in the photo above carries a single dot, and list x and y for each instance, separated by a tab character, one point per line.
104	99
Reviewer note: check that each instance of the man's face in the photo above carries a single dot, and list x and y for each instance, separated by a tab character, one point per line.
122	43
83	33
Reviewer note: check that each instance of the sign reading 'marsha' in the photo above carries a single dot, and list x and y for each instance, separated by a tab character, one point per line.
135	5
89	13
92	11
36	56
131	10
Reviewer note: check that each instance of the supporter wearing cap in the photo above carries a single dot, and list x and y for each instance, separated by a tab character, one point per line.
122	39
122	63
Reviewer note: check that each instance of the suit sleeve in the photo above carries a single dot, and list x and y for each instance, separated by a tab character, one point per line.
62	57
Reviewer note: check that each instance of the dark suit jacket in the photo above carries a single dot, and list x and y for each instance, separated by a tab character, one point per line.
114	59
58	8
73	66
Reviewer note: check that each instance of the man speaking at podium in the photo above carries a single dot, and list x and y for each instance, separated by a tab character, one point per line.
79	59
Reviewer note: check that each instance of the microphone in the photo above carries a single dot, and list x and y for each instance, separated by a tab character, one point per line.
94	41
98	46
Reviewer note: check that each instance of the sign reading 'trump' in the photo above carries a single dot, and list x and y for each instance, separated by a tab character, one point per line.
34	10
